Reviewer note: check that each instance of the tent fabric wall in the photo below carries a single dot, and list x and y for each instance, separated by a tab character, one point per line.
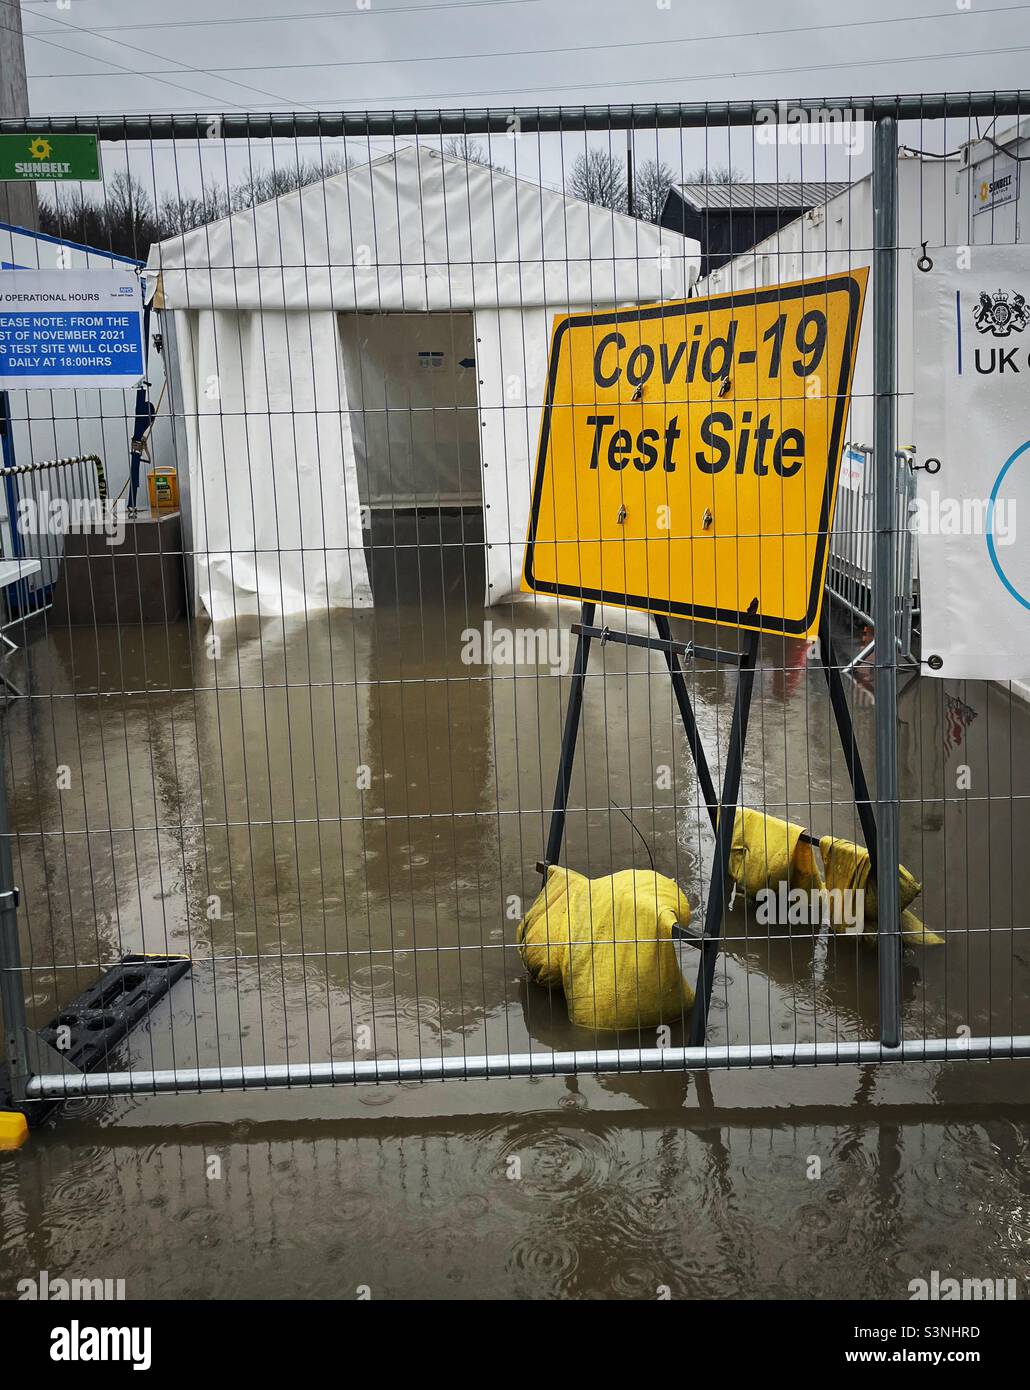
276	524
512	353
415	231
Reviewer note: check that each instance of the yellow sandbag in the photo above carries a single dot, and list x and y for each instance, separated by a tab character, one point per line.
543	934
913	933
848	868
608	941
766	852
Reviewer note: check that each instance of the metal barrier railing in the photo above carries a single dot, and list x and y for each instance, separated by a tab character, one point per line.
70	492
850	572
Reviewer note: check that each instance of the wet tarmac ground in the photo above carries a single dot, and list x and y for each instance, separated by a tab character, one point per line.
339	817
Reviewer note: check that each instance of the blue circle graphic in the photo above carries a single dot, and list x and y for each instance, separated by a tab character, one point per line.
990	526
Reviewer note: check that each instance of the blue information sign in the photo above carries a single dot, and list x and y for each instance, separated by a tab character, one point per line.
70	328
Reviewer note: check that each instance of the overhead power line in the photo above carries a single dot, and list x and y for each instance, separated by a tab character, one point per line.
184	67
551	52
406	99
350	13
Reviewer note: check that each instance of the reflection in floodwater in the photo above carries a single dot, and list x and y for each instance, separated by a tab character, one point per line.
564	1201
338	817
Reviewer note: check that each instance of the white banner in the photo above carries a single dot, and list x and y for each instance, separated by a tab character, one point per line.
70	328
972	419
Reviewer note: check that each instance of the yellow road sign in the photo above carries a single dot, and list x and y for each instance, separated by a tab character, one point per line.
689	454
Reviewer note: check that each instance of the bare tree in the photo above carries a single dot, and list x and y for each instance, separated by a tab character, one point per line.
714	173
122	219
651	185
473	152
265	184
129	211
598	177
179	214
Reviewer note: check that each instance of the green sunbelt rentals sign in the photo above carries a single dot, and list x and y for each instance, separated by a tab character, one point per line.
49	157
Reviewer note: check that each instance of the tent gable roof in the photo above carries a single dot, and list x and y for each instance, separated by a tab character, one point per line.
417	225
366	210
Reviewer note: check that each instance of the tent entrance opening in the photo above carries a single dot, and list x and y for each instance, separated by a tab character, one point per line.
414	410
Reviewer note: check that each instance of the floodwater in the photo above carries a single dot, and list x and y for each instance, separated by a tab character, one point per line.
338	818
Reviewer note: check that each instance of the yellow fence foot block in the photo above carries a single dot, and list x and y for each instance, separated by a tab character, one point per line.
14	1130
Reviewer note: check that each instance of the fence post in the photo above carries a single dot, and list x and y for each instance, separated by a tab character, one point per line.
12	989
885	257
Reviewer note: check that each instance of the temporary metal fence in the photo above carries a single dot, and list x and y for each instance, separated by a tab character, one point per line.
67	492
303	736
849	577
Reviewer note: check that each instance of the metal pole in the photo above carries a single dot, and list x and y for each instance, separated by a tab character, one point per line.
629	172
12	990
679	685
58	1086
499	120
723	843
846	730
568	741
885	256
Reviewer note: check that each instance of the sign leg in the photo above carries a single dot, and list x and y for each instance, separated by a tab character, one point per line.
723	842
846	730
570	735
679	685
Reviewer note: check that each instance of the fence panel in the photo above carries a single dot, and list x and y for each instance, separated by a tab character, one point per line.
304	727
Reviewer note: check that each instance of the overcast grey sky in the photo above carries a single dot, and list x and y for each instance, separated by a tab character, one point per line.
88	57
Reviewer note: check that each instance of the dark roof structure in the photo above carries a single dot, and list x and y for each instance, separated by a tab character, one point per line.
798	197
729	218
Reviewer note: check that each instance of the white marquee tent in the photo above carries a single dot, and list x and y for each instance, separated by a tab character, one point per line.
274	382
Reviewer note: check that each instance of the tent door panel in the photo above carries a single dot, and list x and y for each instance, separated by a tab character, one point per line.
411	384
